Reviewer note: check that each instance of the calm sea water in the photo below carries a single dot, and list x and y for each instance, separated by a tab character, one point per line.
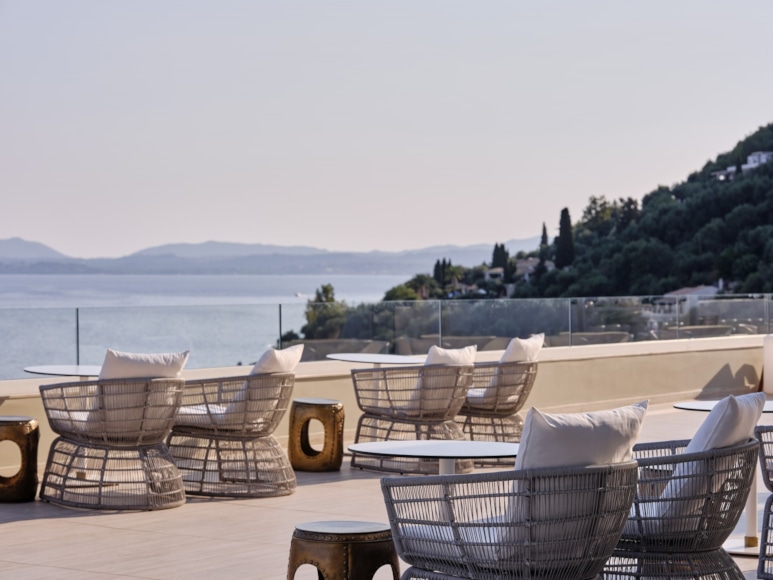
44	291
222	320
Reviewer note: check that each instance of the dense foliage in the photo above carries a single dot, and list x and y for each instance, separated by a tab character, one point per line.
702	231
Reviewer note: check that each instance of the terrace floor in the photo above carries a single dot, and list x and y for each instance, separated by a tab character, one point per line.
226	538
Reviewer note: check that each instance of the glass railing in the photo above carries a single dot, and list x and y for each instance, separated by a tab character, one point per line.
237	334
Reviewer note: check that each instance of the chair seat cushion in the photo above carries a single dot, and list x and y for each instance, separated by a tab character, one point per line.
205	416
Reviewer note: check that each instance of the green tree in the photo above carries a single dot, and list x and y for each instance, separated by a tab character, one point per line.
401	292
565	241
325	316
500	256
544	239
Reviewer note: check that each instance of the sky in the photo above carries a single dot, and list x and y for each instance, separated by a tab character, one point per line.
359	125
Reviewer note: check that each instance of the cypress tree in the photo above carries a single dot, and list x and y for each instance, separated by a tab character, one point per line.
544	240
565	241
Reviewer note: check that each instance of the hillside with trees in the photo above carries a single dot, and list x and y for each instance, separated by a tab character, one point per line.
708	230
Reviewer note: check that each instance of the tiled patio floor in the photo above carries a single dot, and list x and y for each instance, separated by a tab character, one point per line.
221	539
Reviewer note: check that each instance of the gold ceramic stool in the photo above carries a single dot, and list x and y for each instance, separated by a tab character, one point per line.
303	456
23	431
342	550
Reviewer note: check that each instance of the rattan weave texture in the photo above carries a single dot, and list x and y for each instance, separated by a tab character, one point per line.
545	523
111	453
764	435
686	506
222	440
408	404
491	410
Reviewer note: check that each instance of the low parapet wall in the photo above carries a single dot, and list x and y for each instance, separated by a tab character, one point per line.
569	379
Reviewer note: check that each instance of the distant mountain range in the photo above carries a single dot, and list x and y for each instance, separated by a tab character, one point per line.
19	256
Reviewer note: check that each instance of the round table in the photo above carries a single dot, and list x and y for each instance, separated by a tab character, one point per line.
378	359
709	405
447	452
751	541
81	371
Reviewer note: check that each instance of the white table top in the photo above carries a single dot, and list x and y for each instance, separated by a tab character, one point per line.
437	449
65	370
709	405
378	359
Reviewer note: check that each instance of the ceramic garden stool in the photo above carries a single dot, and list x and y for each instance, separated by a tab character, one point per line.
303	456
25	432
342	550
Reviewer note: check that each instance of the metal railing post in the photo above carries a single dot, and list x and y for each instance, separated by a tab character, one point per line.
279	342
77	337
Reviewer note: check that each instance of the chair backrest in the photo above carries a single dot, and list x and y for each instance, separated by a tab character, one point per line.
542	523
764	434
248	404
117	412
688	502
434	392
500	389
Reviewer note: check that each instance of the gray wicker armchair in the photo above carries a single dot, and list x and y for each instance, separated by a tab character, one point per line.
686	506
764	435
222	439
409	403
556	523
498	393
110	453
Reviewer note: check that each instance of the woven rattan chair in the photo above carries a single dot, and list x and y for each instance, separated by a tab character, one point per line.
110	453
686	506
764	435
222	440
551	523
409	403
490	412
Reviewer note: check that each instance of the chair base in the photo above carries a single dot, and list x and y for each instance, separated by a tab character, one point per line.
111	478
488	428
414	573
765	566
714	565
371	428
219	467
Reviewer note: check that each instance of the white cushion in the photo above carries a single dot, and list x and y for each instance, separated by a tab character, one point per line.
576	439
767	363
568	440
451	356
278	361
241	410
523	349
209	415
730	422
129	365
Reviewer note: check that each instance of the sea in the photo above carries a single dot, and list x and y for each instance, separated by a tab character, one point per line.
223	320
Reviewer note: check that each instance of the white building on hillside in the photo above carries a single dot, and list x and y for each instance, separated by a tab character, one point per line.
752	162
756	159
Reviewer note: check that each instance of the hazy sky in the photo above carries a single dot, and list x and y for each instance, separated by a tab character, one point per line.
361	124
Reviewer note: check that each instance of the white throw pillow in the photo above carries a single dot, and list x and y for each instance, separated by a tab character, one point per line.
576	439
130	365
278	361
240	410
451	356
523	349
730	422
